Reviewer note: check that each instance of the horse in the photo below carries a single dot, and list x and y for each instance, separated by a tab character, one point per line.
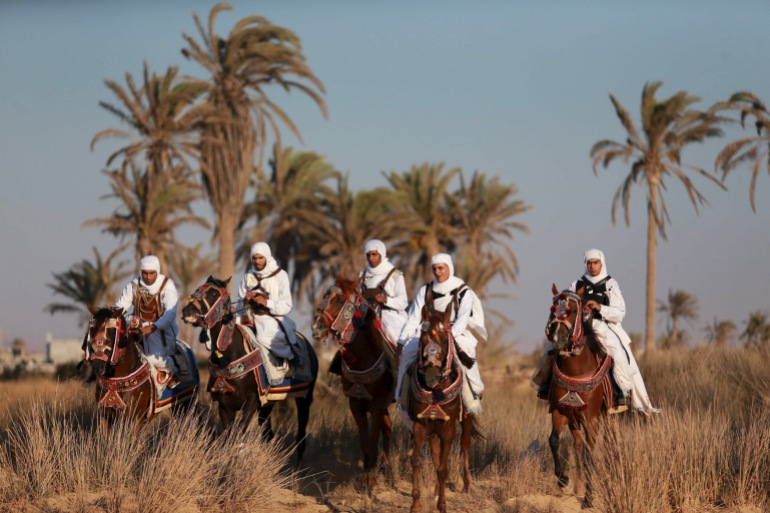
436	404
127	385
580	393
239	378
367	367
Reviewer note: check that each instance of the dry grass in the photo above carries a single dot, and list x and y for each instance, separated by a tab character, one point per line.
708	451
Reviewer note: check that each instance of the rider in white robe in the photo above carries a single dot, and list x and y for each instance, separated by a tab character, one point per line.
468	327
391	294
267	285
151	301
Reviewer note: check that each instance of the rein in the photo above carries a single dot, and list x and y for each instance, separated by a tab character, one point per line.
565	305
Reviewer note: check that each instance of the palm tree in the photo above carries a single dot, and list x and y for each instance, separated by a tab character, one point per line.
241	116
87	283
421	204
750	150
295	190
667	127
150	210
720	333
757	332
680	305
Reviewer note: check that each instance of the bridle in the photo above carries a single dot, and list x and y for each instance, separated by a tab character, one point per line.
104	348
214	312
339	326
567	305
431	353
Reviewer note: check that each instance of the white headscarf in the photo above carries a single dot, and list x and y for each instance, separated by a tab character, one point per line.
384	266
452	282
151	263
594	254
262	249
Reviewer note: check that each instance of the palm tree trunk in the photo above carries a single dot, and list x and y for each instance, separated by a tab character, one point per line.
226	224
652	240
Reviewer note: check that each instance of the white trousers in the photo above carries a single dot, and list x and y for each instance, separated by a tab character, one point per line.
392	322
158	353
467	343
270	335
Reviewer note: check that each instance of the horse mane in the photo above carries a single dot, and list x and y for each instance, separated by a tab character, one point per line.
347	285
591	340
217	282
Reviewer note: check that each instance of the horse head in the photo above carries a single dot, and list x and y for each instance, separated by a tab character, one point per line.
567	321
106	339
334	316
209	305
436	346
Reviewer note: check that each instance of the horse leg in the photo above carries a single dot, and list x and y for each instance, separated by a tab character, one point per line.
263	417
226	415
465	442
579	445
591	428
435	451
418	441
558	421
387	432
303	416
447	435
368	449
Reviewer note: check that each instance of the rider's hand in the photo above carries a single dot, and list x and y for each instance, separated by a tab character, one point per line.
148	330
380	298
593	305
260	300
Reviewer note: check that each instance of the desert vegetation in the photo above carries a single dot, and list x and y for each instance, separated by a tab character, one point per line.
708	451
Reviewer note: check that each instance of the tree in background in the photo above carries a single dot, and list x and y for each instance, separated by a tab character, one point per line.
720	333
754	151
240	115
757	332
87	283
680	305
667	127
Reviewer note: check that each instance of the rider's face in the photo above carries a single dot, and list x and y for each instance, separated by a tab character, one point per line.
594	266
441	272
149	277
374	258
259	262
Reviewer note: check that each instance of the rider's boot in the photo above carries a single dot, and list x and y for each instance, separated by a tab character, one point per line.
543	390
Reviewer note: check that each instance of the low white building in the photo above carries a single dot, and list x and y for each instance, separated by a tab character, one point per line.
62	350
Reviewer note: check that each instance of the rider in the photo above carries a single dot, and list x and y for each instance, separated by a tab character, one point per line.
152	300
601	293
467	322
265	288
383	285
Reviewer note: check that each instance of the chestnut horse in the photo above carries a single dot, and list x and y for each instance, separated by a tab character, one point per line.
436	404
366	367
237	375
127	385
580	392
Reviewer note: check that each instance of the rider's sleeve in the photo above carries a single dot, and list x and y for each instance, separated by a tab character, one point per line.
240	294
170	299
126	299
396	292
413	321
463	314
280	303
616	310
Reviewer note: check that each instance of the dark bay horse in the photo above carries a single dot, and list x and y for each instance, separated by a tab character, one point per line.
366	366
127	385
436	404
238	380
580	392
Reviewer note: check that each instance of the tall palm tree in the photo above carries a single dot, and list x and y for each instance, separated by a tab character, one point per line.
241	116
680	305
87	283
295	189
720	333
667	127
754	151
421	204
150	209
757	332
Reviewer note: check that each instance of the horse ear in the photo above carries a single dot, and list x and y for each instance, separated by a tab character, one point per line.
92	309
227	280
554	289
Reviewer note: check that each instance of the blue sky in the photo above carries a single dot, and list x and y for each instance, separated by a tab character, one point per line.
514	89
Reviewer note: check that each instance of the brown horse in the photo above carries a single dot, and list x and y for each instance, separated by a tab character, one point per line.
127	385
580	392
435	403
365	361
238	380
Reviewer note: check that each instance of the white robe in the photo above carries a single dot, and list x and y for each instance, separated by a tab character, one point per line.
157	353
394	316
467	329
279	303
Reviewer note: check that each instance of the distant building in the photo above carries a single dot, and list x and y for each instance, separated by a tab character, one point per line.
63	350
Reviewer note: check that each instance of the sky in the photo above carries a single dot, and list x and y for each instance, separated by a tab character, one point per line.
518	90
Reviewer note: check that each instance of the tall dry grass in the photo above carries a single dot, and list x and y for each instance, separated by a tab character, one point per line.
708	451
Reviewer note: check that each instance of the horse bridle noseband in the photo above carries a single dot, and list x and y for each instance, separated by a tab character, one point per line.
216	312
561	310
432	350
339	327
101	344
